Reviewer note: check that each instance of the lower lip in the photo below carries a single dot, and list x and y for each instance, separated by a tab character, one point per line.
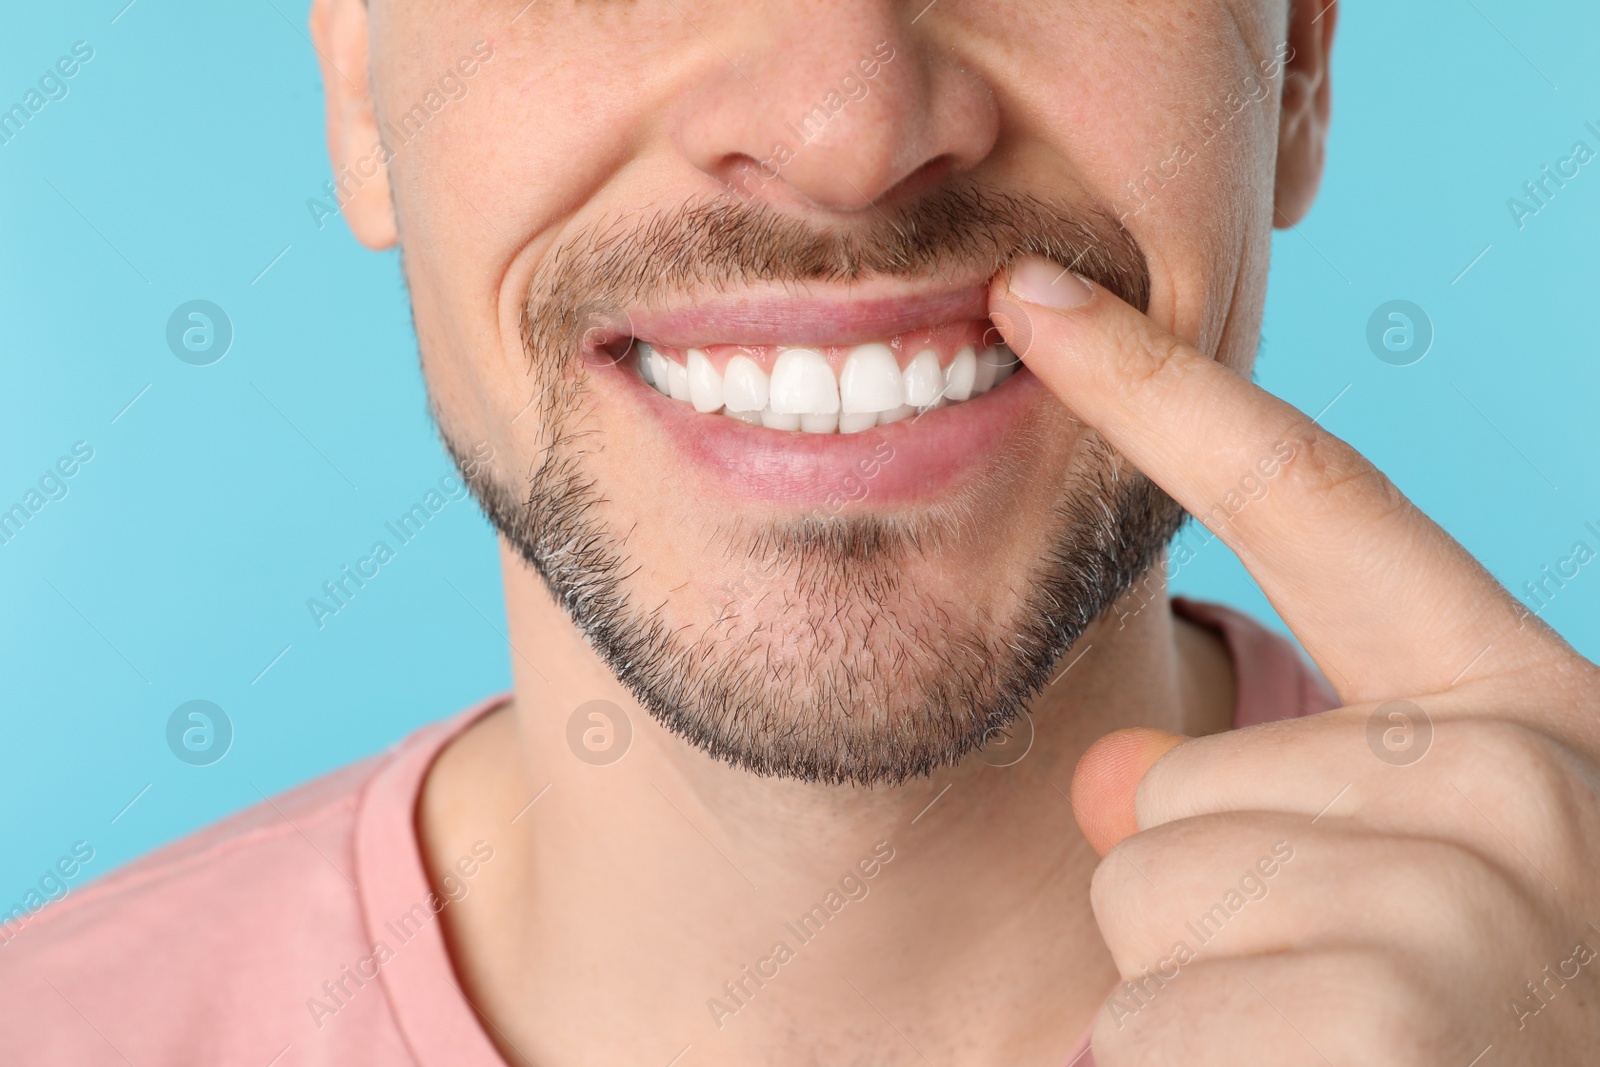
917	459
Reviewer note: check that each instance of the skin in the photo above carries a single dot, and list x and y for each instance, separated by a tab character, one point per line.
1435	885
628	894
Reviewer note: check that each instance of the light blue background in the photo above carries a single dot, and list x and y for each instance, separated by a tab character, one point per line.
178	566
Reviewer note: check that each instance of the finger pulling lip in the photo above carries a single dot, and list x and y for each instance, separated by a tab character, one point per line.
788	318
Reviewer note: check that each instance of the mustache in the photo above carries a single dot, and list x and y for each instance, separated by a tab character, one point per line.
583	288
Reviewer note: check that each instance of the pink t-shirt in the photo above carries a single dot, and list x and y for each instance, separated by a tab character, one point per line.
252	942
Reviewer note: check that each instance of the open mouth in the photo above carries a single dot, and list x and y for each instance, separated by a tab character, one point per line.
813	397
826	389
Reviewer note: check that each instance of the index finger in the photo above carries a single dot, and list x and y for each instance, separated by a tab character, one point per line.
1383	599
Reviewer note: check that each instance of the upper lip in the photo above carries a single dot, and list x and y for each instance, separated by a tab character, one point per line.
809	315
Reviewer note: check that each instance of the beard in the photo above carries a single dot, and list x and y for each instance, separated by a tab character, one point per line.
820	660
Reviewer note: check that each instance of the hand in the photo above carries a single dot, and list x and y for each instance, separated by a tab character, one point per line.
1300	892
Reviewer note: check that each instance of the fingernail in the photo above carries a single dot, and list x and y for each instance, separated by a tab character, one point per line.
1039	281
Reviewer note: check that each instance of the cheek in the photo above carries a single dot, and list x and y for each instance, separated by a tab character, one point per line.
547	120
1150	130
500	175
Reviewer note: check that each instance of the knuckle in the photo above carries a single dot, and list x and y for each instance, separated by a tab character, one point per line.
1523	763
1524	785
1397	1001
1333	477
1115	887
1161	360
1418	892
1248	1001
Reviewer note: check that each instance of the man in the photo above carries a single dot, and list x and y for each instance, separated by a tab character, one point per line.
818	604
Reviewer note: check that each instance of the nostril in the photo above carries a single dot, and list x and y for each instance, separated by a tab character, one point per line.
920	182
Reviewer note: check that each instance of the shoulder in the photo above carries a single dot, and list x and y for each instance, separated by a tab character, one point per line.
204	951
1273	679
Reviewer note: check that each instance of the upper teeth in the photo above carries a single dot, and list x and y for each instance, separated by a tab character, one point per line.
802	392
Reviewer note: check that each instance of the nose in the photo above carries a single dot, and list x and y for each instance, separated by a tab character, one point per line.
838	105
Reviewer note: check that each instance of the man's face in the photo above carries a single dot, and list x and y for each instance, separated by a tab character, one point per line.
627	214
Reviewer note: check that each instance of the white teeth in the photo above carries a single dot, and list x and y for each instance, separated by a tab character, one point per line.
646	365
1006	370
705	384
870	380
803	383
658	370
958	377
988	367
923	380
802	393
1003	358
744	384
995	365
774	421
677	380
